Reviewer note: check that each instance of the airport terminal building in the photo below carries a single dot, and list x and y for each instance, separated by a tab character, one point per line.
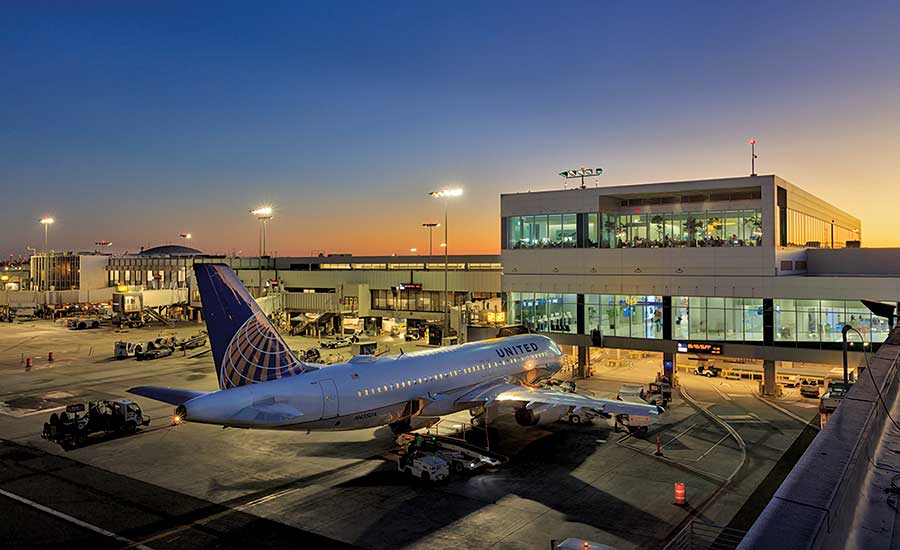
754	265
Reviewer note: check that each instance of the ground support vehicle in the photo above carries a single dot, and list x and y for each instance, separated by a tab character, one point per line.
72	429
82	323
427	467
809	388
341	342
459	455
709	371
659	393
192	342
578	415
636	425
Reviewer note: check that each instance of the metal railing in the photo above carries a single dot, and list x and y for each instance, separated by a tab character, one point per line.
699	535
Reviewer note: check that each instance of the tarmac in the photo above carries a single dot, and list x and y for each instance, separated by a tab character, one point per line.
197	486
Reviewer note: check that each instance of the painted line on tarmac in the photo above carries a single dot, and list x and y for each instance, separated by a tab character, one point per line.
679	434
241	507
75	521
724	395
724	437
782	410
17	344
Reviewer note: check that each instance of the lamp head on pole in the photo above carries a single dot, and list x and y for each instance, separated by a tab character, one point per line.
47	220
447	192
262	212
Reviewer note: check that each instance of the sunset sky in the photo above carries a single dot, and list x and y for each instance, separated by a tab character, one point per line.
134	122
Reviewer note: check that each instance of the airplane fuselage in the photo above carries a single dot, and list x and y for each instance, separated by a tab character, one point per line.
372	391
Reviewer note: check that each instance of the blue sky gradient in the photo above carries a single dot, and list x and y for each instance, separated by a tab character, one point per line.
134	123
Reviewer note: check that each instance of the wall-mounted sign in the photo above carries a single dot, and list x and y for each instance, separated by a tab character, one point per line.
410	286
699	347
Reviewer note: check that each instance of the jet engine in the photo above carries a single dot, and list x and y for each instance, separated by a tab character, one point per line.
540	415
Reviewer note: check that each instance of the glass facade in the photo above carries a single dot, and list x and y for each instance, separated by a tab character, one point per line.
628	316
718	319
684	229
804	230
700	318
822	320
543	231
418	300
635	230
544	312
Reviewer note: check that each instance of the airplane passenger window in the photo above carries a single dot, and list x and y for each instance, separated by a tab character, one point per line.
359	394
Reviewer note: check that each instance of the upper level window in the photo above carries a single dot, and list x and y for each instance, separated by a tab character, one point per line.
701	228
543	231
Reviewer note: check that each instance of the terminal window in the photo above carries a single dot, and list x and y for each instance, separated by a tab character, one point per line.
804	230
544	312
700	228
625	316
822	321
719	319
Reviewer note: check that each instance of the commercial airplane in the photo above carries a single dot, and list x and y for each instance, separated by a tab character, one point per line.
262	384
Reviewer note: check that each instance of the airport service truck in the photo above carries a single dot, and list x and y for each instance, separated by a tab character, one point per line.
71	428
636	425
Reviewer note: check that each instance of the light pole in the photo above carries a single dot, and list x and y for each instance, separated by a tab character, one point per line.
752	143
430	226
446	194
47	221
263	214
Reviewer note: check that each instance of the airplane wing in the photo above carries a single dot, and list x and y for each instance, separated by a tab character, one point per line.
506	391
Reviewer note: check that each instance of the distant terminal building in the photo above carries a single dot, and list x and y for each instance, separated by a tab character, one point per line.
67	271
374	288
166	266
755	265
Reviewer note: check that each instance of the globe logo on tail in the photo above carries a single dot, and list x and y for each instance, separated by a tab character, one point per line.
257	353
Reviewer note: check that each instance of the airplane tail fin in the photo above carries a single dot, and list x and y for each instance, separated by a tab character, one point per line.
246	347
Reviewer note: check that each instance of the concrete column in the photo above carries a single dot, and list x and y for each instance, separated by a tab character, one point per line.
769	377
581	370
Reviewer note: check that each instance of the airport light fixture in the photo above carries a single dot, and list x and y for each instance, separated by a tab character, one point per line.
413	250
581	173
186	236
430	227
263	213
47	221
752	143
445	194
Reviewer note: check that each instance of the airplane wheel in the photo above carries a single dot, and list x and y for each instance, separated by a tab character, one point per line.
575	419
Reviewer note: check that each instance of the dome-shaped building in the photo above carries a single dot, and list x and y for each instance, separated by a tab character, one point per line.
170	250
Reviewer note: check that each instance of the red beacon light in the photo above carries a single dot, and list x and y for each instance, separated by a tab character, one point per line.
752	141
